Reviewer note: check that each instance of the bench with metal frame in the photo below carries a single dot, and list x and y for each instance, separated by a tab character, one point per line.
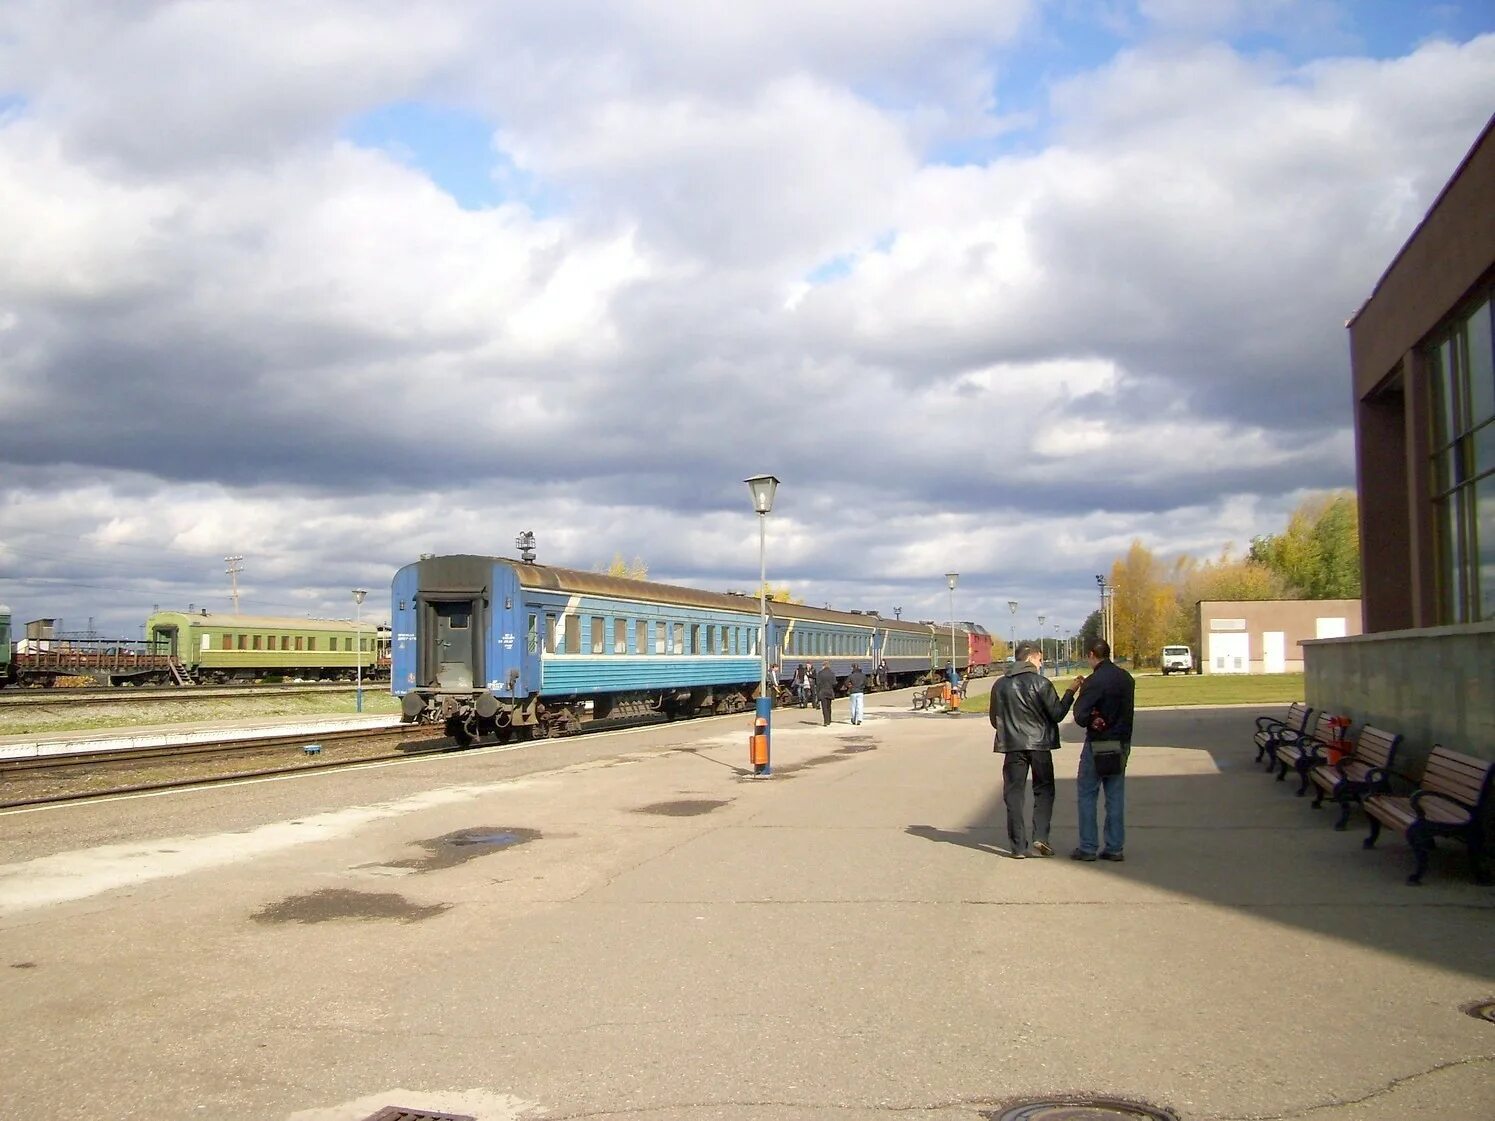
1450	801
1300	752
1268	728
1365	770
926	698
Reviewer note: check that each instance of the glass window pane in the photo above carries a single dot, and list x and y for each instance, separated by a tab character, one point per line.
573	634
599	626
1484	448
1484	518
1481	365
1440	383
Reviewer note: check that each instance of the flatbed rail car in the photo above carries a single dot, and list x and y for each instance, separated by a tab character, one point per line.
494	647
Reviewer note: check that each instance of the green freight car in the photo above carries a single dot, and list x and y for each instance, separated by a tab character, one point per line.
212	647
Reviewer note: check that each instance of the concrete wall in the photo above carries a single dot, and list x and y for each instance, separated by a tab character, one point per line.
1434	686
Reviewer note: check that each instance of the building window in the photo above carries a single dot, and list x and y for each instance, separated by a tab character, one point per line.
1461	382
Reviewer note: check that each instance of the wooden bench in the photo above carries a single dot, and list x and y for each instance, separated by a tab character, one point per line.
1365	770
927	698
1268	728
1299	752
1449	801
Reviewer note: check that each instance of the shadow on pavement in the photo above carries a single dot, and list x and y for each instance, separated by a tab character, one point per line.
1222	831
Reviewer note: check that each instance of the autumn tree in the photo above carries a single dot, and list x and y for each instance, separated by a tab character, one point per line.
1318	555
635	570
1144	604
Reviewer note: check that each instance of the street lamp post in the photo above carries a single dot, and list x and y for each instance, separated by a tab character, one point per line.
951	578
358	594
1012	631
763	488
1041	617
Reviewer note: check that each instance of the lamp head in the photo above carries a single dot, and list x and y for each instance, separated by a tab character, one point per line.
763	487
359	593
951	579
1012	606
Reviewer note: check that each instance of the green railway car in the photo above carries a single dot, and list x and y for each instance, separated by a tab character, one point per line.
215	647
6	669
941	647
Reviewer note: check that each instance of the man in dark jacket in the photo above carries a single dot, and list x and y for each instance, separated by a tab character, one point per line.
856	685
1104	709
825	689
1025	711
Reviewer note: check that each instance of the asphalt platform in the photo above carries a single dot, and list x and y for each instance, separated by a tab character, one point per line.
629	925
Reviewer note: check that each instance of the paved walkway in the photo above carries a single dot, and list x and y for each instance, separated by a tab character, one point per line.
647	932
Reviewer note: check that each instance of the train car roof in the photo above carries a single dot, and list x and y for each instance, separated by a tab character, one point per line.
575	581
268	622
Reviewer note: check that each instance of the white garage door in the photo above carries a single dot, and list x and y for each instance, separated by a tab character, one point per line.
1230	653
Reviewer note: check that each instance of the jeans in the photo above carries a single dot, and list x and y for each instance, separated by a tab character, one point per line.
856	708
1090	785
1015	786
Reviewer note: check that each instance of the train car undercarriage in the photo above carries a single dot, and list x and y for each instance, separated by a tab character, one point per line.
470	716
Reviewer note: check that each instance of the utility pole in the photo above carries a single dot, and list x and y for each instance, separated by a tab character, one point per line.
235	566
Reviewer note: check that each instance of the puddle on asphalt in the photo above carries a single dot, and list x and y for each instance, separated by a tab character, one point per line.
339	903
687	807
452	849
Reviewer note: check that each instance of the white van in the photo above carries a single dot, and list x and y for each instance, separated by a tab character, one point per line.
1177	659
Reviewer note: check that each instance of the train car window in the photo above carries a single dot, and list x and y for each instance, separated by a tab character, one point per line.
243	642
573	634
299	641
551	635
713	639
599	633
696	646
679	638
532	633
256	642
457	620
620	636
659	636
311	642
640	637
285	642
270	641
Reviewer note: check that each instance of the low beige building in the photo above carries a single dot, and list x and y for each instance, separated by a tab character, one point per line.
1266	635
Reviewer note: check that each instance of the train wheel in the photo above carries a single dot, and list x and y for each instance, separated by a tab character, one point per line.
503	734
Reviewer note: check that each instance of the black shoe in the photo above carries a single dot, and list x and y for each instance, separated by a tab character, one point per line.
1042	848
1081	854
1115	857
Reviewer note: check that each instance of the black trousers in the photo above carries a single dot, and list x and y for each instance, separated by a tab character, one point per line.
825	709
1014	790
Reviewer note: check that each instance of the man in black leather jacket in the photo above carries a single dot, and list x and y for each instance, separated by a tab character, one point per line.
1025	711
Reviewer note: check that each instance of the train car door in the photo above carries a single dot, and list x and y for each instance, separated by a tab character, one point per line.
455	644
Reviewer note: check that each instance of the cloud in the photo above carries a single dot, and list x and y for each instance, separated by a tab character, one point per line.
225	327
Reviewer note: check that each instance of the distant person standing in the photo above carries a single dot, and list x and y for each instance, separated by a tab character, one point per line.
798	684
1025	711
1104	709
825	689
952	679
856	685
882	675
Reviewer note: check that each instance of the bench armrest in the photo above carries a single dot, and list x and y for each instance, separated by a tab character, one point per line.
1269	723
1420	796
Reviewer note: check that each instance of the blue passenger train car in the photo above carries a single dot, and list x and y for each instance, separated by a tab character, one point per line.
494	647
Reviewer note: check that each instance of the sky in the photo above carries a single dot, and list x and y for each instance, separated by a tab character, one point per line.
992	286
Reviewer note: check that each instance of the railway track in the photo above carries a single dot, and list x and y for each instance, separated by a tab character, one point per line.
125	696
44	780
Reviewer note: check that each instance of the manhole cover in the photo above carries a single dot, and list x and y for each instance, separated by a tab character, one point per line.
1483	1010
400	1113
1080	1109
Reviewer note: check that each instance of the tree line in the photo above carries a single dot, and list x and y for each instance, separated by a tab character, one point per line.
1155	601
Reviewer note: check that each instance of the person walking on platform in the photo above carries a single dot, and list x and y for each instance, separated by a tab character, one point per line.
1104	709
1025	711
825	689
856	685
798	684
